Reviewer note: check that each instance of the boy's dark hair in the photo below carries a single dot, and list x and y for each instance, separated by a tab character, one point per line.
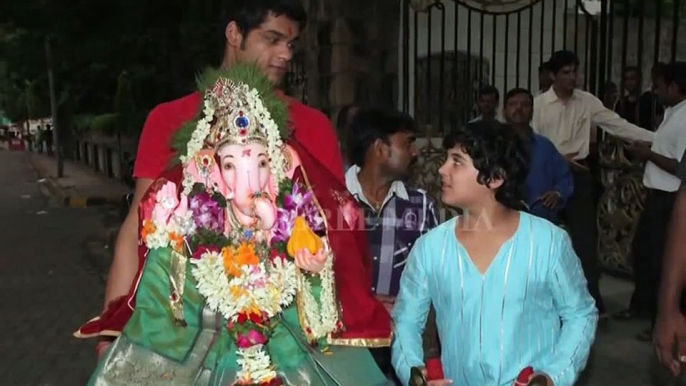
675	73
545	66
517	91
371	124
561	59
497	152
489	90
250	14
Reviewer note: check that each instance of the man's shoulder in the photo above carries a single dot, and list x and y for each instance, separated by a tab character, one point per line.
544	142
582	94
300	110
186	104
167	117
418	195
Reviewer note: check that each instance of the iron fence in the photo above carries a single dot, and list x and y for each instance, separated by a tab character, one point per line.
450	48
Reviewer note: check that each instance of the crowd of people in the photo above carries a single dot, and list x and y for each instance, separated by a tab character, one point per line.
473	292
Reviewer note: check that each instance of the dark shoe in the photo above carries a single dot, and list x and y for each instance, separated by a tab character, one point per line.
645	335
603	322
623	315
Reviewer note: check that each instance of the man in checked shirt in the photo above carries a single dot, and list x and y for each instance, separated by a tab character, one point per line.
381	149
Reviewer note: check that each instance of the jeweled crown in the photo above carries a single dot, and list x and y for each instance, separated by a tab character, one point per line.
236	117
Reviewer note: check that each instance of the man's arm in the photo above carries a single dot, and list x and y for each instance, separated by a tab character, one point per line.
151	159
665	163
577	312
410	313
670	324
615	125
125	260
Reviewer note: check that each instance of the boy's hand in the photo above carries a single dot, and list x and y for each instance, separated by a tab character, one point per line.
549	382
435	382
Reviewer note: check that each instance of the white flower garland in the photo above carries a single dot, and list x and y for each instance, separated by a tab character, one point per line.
195	144
320	320
255	365
278	291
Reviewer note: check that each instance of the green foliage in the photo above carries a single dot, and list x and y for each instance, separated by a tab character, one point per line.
240	73
146	52
105	123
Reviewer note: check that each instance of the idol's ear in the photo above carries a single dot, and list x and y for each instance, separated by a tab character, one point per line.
271	189
292	160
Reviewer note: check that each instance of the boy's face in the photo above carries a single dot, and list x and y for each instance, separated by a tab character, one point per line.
270	45
460	187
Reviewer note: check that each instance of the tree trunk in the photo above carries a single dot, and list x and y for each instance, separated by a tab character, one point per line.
53	110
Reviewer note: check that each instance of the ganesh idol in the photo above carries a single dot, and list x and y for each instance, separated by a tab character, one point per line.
246	276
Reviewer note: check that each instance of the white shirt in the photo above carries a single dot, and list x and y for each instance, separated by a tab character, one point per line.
670	142
354	187
569	125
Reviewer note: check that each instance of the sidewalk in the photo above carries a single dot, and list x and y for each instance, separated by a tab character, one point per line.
81	186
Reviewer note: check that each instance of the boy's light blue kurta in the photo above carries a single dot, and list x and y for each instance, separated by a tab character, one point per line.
531	308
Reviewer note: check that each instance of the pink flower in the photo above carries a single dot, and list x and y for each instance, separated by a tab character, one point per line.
197	254
253	338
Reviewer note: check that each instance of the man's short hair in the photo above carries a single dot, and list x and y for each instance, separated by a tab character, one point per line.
371	124
343	119
497	152
517	91
675	73
489	90
561	59
250	14
544	67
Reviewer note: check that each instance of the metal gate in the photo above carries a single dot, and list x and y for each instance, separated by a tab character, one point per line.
450	48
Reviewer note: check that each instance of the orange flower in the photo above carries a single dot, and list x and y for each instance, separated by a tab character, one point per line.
148	228
245	255
230	265
176	241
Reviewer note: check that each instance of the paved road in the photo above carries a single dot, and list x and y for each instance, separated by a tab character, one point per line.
50	283
47	285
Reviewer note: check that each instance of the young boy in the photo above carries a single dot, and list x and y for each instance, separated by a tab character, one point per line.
507	287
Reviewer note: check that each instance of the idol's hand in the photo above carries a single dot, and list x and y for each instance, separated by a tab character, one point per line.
305	260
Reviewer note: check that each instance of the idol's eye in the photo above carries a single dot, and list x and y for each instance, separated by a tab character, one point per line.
264	163
228	166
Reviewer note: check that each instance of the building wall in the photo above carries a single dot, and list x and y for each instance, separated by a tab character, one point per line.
351	56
